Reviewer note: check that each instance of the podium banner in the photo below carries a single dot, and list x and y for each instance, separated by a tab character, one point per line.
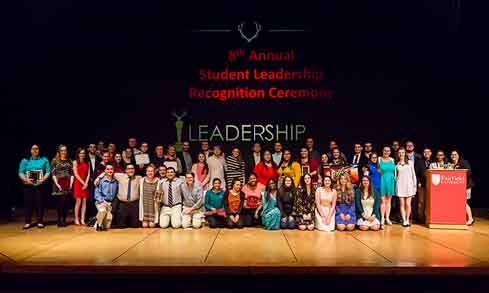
446	197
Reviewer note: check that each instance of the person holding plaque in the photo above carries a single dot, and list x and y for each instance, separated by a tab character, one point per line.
308	165
33	172
288	167
142	159
62	169
458	163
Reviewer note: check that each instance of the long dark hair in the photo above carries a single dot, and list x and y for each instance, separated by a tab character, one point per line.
77	155
267	188
304	186
292	186
274	166
282	159
206	167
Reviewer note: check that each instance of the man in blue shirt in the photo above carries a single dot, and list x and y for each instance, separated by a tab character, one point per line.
34	172
105	192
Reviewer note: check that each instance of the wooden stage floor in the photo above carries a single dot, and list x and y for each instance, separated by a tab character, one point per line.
414	250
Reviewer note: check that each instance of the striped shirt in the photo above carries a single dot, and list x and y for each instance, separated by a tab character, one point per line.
234	169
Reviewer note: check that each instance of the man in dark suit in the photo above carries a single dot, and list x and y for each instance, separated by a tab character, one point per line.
185	157
253	159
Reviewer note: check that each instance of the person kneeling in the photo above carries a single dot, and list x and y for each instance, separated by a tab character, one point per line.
304	204
345	205
367	204
171	188
233	205
105	192
192	203
214	205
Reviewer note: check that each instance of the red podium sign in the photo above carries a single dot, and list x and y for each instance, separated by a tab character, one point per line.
446	198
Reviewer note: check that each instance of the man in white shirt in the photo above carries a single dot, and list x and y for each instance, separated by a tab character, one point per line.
277	155
217	165
171	200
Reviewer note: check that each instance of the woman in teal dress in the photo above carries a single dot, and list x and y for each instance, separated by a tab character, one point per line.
387	185
271	214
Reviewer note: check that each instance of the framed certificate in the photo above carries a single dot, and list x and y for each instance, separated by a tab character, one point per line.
142	159
35	175
305	170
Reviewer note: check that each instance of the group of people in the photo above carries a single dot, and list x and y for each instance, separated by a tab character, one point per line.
269	188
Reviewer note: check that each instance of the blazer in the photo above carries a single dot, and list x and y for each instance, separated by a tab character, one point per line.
464	164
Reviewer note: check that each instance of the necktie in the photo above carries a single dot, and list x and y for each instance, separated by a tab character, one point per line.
356	160
170	194
129	190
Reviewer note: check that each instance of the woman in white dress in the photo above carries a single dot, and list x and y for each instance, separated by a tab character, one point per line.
325	206
406	185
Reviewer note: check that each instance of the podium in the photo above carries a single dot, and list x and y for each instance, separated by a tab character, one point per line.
446	199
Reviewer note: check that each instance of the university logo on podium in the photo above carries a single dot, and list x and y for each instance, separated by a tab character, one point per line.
435	179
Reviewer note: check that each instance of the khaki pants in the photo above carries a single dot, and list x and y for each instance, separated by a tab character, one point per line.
193	219
104	215
171	215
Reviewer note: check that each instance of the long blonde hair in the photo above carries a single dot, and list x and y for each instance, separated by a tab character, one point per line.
57	158
348	189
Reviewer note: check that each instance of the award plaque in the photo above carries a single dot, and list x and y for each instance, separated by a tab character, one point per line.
35	175
142	159
305	170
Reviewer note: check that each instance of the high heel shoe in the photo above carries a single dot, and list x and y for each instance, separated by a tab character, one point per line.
471	222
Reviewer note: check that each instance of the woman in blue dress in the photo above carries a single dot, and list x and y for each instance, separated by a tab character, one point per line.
387	185
345	205
270	213
374	171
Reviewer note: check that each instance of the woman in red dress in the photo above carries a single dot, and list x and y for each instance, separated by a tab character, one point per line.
81	171
266	169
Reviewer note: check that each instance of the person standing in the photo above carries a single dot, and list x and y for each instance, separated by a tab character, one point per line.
253	159
367	203
62	169
105	191
270	215
235	167
204	148
288	167
325	206
286	198
345	216
387	184
159	157
217	165
173	161
395	147
81	171
304	204
406	184
440	161
233	205
185	157
201	171
313	153
252	191
368	149
92	157
33	172
193	203
427	153
464	164
277	154
214	205
118	163
266	169
172	198
374	172
149	206
308	165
